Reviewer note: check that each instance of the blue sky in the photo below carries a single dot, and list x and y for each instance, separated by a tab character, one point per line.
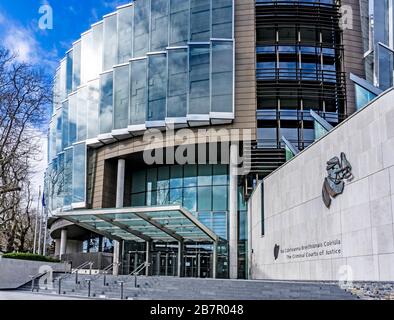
20	32
19	27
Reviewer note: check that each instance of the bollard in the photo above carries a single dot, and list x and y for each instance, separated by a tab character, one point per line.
60	286
121	290
88	287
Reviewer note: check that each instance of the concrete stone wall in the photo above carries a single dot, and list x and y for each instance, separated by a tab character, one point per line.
15	273
355	236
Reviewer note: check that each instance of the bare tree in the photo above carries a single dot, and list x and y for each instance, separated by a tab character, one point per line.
24	99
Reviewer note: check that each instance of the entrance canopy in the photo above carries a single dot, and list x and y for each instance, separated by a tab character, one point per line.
162	223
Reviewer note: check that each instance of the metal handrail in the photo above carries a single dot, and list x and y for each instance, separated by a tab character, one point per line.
76	270
36	276
138	270
104	272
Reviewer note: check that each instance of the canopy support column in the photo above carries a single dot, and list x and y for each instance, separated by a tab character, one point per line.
215	260
180	258
119	204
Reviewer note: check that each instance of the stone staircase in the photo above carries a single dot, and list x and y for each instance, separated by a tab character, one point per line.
174	288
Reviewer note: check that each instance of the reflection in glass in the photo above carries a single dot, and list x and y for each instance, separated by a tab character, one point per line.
72	118
121	96
222	18
76	66
157	91
68	171
106	87
141	28
199	79
222	77
159	25
200	20
125	34
79	169
110	54
179	22
82	115
138	89
64	133
177	83
93	108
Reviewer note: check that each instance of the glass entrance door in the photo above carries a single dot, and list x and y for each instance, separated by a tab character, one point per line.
197	265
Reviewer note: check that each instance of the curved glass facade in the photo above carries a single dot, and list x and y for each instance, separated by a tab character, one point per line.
149	64
299	68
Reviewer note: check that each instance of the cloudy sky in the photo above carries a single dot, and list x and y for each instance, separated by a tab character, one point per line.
20	32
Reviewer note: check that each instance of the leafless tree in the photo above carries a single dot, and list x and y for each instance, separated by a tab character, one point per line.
24	99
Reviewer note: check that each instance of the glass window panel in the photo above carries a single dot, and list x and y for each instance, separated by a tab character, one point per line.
88	60
110	47
63	80
220	175
363	96
204	175
190	176
93	108
65	142
138	88
60	181
72	118
206	219
163	178
98	34
222	77
79	172
82	116
204	198
219	224
141	28
176	196
106	95
385	67
176	180
222	19
219	195
59	127
121	97
68	176
157	80
159	25
151	179
266	34
177	83
199	79
69	81
381	21
138	181
242	204
190	199
53	137
76	65
179	22
138	199
200	20
125	34
287	34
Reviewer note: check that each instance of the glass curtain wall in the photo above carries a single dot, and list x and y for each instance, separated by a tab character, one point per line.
146	62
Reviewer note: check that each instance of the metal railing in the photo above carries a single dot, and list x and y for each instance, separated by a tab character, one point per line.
34	278
76	271
138	270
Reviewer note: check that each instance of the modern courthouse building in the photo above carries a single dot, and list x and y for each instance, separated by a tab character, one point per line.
293	100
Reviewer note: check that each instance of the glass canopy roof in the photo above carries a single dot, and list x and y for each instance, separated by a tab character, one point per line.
162	223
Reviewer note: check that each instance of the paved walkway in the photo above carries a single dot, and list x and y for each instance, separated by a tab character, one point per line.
17	295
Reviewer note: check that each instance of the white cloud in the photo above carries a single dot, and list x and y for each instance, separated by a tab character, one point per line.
22	41
39	164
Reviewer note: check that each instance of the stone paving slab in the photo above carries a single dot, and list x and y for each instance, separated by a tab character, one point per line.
18	295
